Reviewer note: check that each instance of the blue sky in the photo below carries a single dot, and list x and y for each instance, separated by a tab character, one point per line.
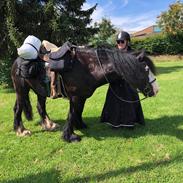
129	15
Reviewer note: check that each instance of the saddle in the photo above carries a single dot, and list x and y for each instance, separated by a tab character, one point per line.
55	57
58	61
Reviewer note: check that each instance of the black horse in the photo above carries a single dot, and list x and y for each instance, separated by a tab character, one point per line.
91	68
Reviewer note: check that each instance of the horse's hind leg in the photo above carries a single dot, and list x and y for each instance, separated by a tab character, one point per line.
46	123
18	124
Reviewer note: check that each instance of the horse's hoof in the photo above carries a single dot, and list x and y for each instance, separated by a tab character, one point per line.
50	127
54	126
75	138
23	133
72	138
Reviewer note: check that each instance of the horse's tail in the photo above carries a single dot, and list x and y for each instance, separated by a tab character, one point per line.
27	108
22	92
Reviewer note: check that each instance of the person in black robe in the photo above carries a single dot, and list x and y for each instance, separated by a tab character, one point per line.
118	113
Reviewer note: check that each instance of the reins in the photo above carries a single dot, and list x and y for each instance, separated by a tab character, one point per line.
114	93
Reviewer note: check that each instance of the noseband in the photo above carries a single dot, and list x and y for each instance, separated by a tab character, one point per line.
147	89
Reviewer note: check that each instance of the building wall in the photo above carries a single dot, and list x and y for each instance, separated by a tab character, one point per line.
147	32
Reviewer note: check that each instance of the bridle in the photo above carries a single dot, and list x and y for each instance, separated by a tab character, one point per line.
147	89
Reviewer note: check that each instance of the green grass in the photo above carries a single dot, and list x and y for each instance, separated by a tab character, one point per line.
153	153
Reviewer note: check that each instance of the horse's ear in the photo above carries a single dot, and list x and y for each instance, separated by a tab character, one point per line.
141	56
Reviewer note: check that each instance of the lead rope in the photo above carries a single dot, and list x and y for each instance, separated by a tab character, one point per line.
114	93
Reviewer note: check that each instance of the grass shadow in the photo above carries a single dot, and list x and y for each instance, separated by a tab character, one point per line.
166	125
45	177
55	175
128	170
166	70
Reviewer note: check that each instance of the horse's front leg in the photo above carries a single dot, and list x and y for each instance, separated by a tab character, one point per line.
74	119
46	123
77	114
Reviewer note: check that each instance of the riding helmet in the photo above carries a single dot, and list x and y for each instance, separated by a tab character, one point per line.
123	36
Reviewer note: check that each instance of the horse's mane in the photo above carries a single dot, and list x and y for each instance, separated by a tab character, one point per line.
146	59
105	52
126	65
117	57
123	62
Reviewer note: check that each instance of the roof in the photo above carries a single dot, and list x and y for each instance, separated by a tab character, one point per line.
154	29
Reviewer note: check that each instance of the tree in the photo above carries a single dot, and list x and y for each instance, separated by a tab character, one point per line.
54	20
105	31
171	21
3	29
74	22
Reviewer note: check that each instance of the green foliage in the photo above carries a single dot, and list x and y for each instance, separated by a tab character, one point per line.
54	20
10	23
160	44
5	70
152	153
3	30
104	34
171	21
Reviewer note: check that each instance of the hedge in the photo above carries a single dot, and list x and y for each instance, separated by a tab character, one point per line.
160	44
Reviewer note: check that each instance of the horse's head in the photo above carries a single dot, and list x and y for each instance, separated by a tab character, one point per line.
138	70
148	84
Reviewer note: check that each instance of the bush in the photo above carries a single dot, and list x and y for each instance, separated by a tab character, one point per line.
5	72
160	44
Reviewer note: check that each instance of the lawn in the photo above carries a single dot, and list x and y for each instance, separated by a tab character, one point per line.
153	153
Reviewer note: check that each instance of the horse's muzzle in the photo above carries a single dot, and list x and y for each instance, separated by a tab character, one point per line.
149	91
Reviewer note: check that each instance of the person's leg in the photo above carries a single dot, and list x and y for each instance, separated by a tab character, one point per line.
53	85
